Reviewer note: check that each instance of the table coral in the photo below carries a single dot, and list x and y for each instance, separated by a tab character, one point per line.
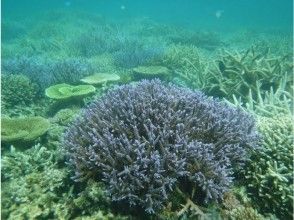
23	130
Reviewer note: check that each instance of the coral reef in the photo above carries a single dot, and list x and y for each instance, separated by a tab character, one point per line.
233	208
186	64
269	174
17	90
101	78
241	213
203	39
147	150
144	139
34	67
65	116
271	103
65	91
15	163
44	29
39	108
239	73
23	130
96	41
69	70
151	72
45	72
12	30
134	53
32	199
46	190
59	123
39	183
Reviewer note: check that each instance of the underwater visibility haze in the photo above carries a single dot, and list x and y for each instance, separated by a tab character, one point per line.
124	109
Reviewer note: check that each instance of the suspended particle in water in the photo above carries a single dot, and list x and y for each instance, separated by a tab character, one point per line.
219	13
67	3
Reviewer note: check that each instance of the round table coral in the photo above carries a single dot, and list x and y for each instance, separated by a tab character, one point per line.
23	130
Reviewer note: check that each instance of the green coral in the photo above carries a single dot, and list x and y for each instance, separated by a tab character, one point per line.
94	193
23	130
35	196
32	168
54	136
65	91
65	116
101	78
237	206
203	39
149	72
237	73
38	108
49	194
17	90
269	104
187	65
36	185
16	164
247	213
269	174
59	123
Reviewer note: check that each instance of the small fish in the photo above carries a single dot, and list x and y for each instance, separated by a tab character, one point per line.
122	7
219	13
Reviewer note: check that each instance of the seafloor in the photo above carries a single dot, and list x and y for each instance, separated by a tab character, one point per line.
54	66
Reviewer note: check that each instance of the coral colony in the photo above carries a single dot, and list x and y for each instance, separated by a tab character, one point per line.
123	116
142	139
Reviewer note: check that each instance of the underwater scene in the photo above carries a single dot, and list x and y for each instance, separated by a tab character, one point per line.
167	109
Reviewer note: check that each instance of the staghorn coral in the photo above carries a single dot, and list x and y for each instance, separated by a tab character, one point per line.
187	65
69	70
133	52
14	164
232	208
46	191
38	108
271	103
241	213
96	41
269	175
44	29
144	139
35	197
36	170
240	73
34	67
45	72
203	39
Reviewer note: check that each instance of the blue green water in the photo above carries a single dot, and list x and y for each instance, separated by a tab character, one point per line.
59	56
261	14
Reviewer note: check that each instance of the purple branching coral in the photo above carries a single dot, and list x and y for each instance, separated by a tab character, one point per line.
45	72
142	139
